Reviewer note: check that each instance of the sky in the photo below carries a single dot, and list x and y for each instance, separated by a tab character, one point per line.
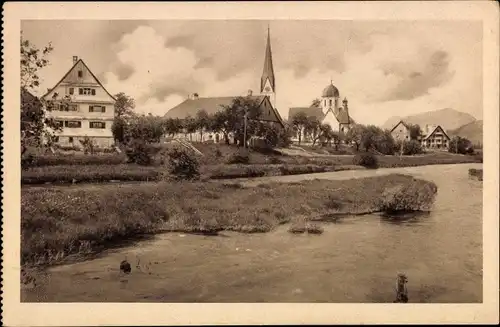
383	68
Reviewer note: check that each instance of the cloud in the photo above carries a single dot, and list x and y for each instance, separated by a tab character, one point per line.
415	81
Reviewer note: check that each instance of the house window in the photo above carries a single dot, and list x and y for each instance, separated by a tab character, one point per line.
97	109
59	123
86	91
56	139
73	124
97	124
70	139
71	90
80	74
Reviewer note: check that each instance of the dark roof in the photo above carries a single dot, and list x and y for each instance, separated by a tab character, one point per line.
67	73
405	124
211	105
309	111
434	130
330	91
28	97
268	71
341	115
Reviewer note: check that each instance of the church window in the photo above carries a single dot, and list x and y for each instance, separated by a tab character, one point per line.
325	103
330	102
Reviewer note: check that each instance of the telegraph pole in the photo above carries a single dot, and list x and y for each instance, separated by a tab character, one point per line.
245	129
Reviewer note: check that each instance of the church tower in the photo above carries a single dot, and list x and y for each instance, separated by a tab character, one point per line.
267	81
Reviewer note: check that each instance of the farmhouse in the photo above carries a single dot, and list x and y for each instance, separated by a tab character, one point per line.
90	112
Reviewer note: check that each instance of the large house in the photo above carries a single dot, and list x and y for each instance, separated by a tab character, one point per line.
90	112
435	138
266	100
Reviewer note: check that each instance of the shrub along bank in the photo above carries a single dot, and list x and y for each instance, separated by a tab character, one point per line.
59	222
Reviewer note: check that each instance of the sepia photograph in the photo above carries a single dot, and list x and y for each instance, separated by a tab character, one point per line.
229	160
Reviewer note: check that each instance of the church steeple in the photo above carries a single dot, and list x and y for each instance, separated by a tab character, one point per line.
267	81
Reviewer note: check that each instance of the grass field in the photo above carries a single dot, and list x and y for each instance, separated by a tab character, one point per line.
215	164
56	223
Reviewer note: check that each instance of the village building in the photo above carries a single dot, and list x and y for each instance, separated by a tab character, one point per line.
401	131
329	111
435	138
266	101
90	112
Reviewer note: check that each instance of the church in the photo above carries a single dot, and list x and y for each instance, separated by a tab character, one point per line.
266	100
328	111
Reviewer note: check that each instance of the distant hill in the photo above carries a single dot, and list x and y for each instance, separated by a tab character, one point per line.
448	118
472	131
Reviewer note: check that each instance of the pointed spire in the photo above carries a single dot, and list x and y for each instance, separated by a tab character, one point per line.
268	72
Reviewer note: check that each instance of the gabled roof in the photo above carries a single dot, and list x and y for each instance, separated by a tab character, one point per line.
211	105
92	74
401	122
341	115
309	111
438	127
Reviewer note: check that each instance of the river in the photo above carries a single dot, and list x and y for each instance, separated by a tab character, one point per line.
355	260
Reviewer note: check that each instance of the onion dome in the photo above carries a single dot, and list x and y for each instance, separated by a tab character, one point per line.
330	91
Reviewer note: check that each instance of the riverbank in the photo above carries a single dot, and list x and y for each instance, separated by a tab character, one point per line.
97	171
78	221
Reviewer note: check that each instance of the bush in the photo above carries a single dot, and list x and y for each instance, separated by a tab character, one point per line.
302	169
140	152
240	157
183	164
417	195
476	173
367	160
410	148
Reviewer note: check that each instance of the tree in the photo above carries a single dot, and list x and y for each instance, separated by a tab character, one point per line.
235	115
221	123
203	122
146	128
316	103
313	128
415	131
354	135
37	127
300	123
460	145
190	126
172	126
124	105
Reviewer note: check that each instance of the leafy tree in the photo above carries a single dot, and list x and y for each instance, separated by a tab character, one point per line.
118	129
172	126
221	123
203	122
124	105
313	129
37	127
235	115
190	126
460	145
354	135
415	131
147	128
316	103
300	122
